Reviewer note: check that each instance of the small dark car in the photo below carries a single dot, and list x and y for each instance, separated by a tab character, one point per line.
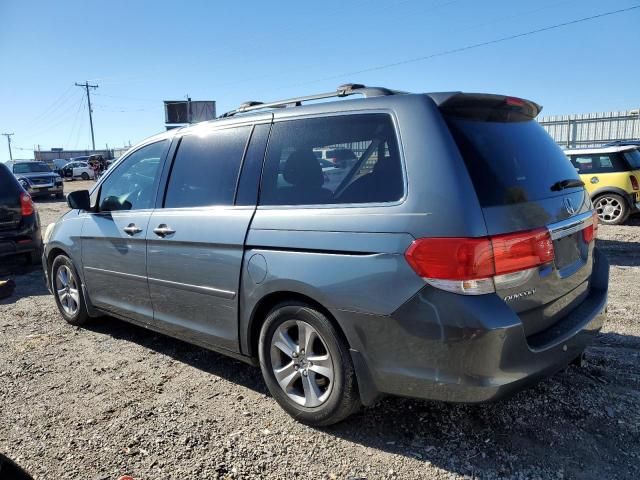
37	178
19	221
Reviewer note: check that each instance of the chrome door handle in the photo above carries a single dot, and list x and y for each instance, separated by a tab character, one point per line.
132	229
163	230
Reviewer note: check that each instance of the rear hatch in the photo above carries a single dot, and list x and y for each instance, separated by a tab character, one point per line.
524	182
10	210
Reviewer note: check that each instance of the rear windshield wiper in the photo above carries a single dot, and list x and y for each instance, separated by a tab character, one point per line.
569	183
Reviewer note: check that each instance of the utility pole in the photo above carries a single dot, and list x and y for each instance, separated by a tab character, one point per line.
86	86
8	135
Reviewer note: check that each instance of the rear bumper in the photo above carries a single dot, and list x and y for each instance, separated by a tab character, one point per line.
449	347
633	199
25	239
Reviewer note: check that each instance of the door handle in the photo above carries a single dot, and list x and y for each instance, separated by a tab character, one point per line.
132	229
163	230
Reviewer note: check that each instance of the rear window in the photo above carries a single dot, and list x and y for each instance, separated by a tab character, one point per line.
633	157
510	162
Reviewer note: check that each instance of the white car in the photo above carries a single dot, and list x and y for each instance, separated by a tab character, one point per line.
79	169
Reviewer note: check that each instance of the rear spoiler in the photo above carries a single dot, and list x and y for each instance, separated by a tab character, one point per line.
486	107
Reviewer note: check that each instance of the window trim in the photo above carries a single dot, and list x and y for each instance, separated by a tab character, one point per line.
323	206
171	159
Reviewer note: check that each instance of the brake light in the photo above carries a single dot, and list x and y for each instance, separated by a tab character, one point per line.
451	258
468	265
519	251
634	182
26	204
514	102
591	232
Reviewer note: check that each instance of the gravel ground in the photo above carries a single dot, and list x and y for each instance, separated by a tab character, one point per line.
114	399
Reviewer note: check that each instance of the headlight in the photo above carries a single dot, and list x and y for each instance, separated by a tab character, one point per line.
47	232
24	183
58	179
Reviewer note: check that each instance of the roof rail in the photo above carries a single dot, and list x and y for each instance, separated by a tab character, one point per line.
342	91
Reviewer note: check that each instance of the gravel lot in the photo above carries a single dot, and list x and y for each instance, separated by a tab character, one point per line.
114	399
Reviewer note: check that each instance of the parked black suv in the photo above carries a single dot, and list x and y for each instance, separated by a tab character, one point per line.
19	221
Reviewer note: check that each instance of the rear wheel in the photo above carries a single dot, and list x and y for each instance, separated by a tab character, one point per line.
85	176
67	290
612	209
306	365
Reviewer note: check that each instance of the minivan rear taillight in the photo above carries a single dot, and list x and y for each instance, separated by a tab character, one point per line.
469	265
26	204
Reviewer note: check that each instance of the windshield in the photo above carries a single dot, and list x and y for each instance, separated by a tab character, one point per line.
633	157
510	162
31	167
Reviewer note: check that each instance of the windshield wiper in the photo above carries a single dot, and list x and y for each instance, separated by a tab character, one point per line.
569	183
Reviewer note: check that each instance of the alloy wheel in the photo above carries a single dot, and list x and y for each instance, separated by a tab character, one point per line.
609	209
67	290
301	363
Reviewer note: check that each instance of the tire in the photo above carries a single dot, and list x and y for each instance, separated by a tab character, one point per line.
612	209
311	397
85	176
59	196
63	267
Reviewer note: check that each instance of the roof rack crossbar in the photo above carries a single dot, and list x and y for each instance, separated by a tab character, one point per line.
342	91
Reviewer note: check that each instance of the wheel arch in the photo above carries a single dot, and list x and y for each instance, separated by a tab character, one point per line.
270	300
53	253
615	190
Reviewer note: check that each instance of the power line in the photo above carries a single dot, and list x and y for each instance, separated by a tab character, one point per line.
62	117
86	86
80	125
75	121
9	135
470	47
61	100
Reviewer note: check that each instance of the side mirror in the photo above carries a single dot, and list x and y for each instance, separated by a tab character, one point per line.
79	200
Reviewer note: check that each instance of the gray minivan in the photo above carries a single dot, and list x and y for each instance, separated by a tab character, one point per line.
454	260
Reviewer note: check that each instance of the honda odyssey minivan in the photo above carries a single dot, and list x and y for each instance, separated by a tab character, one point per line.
454	259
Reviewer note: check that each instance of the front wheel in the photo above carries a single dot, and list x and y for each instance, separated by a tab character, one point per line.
612	209
307	366
67	290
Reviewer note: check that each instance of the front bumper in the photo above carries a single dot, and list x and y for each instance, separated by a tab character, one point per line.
45	270
42	190
443	346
